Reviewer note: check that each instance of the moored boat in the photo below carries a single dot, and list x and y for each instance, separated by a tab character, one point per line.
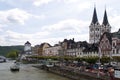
2	59
15	67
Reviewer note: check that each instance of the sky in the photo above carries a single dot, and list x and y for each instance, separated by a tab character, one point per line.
51	21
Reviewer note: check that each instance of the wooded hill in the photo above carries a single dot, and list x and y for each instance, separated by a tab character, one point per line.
6	49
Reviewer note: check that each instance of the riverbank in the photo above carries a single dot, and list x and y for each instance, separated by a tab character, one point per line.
73	73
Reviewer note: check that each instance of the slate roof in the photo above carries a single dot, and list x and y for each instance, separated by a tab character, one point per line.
87	47
42	44
105	19
94	19
108	35
91	48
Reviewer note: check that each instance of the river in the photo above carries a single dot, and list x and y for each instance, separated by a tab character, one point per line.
27	72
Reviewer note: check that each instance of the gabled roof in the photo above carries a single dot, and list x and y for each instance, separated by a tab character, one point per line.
108	35
105	19
94	19
81	44
44	44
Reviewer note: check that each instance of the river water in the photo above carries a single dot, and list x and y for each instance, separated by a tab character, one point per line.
27	72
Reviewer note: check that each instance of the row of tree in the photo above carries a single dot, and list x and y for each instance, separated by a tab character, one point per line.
90	60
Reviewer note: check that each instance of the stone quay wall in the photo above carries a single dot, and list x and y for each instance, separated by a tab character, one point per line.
73	73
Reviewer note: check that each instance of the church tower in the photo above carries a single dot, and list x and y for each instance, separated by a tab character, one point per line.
105	27
94	29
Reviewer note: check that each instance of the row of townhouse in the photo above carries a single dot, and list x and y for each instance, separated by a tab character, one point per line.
82	49
109	45
67	48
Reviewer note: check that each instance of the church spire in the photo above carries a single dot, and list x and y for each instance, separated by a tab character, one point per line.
105	19
94	19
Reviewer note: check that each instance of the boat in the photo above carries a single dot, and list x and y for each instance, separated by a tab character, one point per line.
2	59
15	67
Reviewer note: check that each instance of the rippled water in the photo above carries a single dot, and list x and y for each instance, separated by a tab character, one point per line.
26	73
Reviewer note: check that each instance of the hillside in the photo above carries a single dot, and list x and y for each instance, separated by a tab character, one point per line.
5	49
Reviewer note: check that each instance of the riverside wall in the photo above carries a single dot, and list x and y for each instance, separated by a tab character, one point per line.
73	73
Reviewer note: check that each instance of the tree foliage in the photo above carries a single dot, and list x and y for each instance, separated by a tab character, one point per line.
105	59
4	50
116	58
91	60
12	54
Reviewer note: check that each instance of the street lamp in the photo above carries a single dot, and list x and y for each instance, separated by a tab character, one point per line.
99	52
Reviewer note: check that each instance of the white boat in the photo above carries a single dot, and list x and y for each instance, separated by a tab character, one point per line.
15	67
2	59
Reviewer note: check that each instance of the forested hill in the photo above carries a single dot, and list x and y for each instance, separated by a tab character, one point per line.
5	49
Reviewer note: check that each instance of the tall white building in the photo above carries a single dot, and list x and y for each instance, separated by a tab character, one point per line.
27	50
27	46
96	30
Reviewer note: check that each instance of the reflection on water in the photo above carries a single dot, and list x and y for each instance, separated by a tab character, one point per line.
26	73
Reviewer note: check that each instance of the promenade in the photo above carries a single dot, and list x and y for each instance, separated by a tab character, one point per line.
76	73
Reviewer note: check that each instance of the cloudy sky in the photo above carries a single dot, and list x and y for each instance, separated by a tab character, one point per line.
52	21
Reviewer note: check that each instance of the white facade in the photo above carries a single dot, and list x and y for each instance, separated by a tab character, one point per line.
90	54
76	52
52	51
27	46
115	47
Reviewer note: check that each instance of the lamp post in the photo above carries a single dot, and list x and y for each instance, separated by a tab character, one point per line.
99	52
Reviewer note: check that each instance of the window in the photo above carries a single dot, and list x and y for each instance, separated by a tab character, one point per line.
91	29
113	44
117	51
113	51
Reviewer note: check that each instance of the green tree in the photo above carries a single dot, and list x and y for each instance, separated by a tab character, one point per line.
105	59
116	58
91	60
12	54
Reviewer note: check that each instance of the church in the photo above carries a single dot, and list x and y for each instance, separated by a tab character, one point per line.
108	42
96	30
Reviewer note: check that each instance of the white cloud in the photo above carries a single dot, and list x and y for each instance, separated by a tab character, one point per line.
16	16
15	35
41	2
84	5
75	29
69	25
77	37
114	22
69	1
10	38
